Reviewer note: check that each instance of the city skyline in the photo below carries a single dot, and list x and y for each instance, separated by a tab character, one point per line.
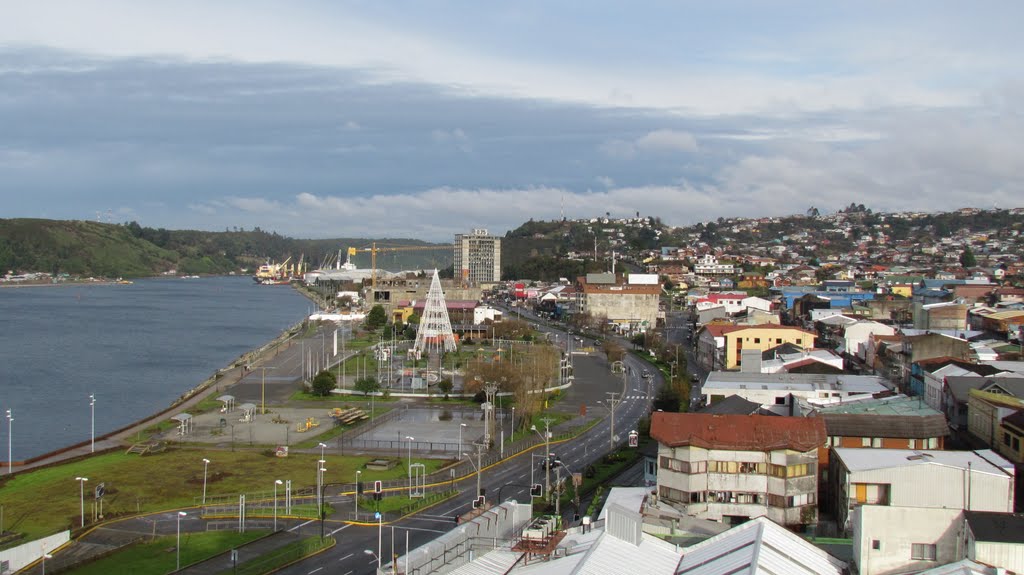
324	119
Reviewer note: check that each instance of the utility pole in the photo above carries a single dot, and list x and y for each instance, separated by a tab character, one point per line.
263	389
613	400
547	455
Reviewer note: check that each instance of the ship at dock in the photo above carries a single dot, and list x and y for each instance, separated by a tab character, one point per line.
282	273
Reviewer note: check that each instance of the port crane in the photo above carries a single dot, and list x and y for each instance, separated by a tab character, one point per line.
373	249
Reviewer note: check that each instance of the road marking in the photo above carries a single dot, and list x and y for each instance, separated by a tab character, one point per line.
346	557
302	524
346	526
315	570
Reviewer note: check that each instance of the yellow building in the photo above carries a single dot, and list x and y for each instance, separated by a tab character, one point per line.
761	337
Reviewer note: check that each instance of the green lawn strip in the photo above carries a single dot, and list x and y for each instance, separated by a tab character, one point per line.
390	503
158	556
44	501
278	558
603	472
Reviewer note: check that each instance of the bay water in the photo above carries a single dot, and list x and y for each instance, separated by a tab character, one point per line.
136	347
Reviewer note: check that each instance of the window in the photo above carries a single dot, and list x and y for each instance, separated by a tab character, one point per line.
780	400
933	443
799	341
865	442
876	544
757	340
828	441
922	551
798	470
912	443
876	442
1006	438
1016	444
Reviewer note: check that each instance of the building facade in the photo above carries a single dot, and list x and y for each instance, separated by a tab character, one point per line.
732	468
477	258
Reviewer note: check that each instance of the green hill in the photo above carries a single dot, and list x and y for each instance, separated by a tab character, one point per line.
84	248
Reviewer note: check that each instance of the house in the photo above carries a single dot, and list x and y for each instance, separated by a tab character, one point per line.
995	417
936	541
629	306
779	392
928	378
736	339
855	336
757	546
978	480
801	361
732	468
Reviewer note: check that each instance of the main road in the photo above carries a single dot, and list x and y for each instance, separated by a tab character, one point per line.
510	478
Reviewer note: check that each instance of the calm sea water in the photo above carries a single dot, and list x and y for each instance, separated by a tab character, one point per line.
136	347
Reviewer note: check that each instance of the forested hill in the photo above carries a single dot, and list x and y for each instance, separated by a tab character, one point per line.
85	248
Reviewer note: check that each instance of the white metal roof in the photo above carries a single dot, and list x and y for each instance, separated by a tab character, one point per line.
631	498
795	381
981	461
758	546
962	567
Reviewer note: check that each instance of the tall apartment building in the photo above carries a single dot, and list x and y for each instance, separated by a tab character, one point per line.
477	258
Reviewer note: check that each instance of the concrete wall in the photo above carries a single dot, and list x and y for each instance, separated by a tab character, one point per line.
18	557
1006	555
896	529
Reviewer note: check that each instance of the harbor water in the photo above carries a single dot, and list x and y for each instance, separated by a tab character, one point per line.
136	347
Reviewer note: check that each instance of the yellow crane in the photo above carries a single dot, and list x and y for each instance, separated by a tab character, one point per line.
373	249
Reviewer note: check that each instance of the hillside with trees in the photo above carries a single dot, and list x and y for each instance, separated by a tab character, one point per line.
85	248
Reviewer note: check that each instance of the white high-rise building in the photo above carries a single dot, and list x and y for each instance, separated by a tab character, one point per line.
477	258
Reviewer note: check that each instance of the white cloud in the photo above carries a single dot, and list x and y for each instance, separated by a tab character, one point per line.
605	181
657	141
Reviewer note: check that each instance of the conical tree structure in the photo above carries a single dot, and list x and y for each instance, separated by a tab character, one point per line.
435	328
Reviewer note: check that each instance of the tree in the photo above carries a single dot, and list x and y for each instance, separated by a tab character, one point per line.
667	399
967	258
376	318
323	383
366	385
445	385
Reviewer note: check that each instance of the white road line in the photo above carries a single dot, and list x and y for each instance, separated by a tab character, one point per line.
346	526
346	557
315	570
302	524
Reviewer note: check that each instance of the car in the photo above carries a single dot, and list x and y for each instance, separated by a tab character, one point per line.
551	461
646	374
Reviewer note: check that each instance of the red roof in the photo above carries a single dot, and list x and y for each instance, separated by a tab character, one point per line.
737	432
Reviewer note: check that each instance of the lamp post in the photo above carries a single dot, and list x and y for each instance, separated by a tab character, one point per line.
177	547
45	557
276	483
410	439
81	497
476	466
206	465
320	472
355	495
10	462
461	427
547	454
374	555
320	482
92	424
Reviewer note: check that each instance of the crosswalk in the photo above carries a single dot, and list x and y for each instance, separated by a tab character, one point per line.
645	396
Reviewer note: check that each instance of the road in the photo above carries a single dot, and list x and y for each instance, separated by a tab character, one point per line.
511	477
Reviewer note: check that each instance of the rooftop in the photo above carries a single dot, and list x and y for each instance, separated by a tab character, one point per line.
796	382
996	527
895	405
737	432
981	461
757	546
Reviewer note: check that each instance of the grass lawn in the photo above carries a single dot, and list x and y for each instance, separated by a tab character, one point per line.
44	501
158	556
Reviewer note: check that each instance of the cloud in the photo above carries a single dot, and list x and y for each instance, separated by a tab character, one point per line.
658	141
605	181
455	137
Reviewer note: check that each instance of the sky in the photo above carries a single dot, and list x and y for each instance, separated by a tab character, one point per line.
362	118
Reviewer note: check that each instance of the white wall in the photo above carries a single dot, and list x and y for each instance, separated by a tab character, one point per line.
896	529
1006	555
24	554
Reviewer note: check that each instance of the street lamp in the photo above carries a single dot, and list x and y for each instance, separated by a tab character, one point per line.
320	481
206	464
547	455
92	426
10	462
374	555
45	557
321	472
81	497
321	446
276	483
177	547
410	439
461	427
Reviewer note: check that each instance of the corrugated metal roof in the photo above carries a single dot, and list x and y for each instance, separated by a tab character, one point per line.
757	545
745	432
981	461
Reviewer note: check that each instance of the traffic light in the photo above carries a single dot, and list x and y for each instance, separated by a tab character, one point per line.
478	502
378	486
536	490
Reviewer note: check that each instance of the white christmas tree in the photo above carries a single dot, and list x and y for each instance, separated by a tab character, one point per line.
435	328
